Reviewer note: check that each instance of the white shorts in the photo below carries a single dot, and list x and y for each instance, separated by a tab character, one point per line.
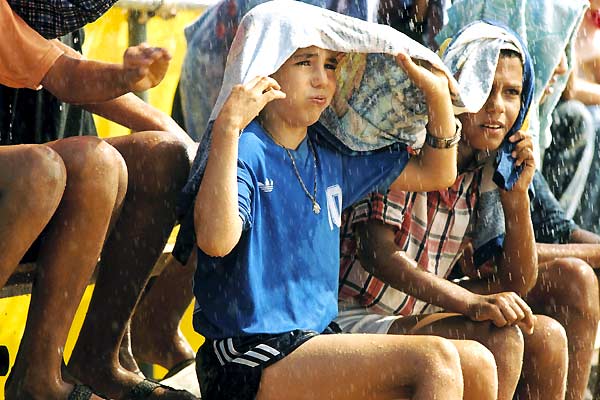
357	319
361	320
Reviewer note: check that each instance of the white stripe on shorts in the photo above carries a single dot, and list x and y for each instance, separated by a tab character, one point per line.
268	349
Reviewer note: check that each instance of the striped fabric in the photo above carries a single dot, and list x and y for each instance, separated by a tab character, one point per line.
429	227
253	357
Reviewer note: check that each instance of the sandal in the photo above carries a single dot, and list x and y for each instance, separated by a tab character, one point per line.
82	392
145	388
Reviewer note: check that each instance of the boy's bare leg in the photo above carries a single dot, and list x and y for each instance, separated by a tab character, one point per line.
506	344
155	334
567	290
32	181
360	366
158	166
480	374
545	365
67	258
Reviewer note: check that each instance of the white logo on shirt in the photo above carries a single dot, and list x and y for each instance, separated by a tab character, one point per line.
266	187
334	205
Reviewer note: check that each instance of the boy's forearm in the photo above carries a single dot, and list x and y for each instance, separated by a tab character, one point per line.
425	286
216	217
580	235
518	263
441	124
80	81
380	256
587	252
433	169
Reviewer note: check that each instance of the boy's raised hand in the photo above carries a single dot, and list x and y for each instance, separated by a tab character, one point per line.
430	80
247	100
144	66
523	154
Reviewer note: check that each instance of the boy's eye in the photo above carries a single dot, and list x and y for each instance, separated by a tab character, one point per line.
305	63
330	66
513	92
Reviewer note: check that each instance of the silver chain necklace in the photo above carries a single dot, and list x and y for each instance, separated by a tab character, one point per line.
312	197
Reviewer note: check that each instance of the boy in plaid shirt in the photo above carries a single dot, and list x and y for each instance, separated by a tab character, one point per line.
399	249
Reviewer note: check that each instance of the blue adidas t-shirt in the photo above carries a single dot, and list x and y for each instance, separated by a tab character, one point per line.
283	273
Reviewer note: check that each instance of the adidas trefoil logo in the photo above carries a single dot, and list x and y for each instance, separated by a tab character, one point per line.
266	187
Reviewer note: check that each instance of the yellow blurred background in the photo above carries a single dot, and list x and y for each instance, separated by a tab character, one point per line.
106	40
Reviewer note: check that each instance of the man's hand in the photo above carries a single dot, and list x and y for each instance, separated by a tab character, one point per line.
144	66
503	309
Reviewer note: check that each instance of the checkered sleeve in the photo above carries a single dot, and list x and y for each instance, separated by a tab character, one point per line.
388	208
55	18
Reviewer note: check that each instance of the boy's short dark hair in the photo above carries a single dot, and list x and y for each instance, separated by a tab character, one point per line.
510	53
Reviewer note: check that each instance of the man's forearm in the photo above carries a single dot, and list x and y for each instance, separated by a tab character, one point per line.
80	81
133	113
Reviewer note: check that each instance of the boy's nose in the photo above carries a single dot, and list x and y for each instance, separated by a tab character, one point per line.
495	104
319	77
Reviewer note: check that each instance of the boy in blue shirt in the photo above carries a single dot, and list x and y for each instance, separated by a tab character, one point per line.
266	219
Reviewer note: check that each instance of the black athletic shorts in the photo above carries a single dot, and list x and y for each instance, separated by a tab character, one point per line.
231	369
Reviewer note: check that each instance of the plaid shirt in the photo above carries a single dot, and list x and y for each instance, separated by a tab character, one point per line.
55	18
429	227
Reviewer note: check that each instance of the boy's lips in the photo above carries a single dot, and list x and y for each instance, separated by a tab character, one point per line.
319	100
493	127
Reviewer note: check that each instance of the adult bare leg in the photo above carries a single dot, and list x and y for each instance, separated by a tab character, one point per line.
358	366
155	334
567	290
32	182
157	166
67	258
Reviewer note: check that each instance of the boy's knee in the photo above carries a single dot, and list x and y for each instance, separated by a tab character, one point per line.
479	368
548	343
478	358
577	286
499	340
438	357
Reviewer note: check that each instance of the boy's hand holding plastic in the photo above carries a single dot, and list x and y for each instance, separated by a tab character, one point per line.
246	101
523	154
144	66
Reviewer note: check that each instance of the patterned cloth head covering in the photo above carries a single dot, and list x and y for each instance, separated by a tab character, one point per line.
55	18
472	56
208	42
548	27
378	108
